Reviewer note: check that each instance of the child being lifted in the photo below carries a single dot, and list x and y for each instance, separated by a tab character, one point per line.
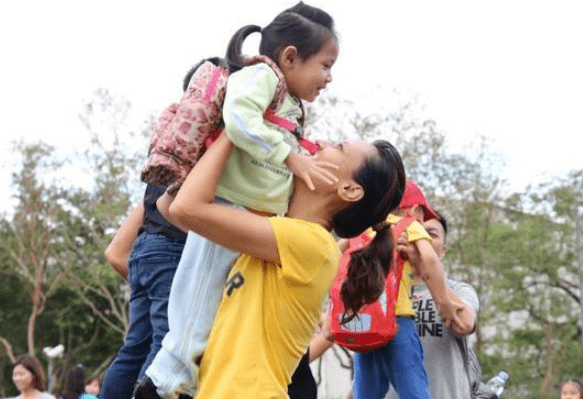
299	48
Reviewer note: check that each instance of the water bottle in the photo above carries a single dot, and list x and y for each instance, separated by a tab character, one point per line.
498	382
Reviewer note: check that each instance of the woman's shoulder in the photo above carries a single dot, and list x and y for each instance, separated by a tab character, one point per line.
297	225
311	237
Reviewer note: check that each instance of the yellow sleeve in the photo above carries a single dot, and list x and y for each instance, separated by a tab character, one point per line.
415	231
307	251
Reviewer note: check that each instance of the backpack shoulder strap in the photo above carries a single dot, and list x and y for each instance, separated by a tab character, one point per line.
402	224
281	89
280	93
291	127
395	275
462	344
355	243
214	82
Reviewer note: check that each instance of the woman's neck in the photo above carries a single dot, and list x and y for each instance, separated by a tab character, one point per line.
30	393
313	208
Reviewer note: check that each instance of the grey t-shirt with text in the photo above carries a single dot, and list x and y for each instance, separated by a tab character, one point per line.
443	361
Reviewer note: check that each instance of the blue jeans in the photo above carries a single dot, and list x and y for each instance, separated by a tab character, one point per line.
152	265
399	364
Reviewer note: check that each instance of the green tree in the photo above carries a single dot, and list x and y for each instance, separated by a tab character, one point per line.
31	239
536	298
114	159
65	216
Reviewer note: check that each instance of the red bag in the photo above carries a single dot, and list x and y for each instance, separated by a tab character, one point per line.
375	324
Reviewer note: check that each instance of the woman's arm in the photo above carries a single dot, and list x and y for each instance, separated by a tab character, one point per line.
193	209
118	250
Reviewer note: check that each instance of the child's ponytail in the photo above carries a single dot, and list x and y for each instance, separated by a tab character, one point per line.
367	272
234	57
305	27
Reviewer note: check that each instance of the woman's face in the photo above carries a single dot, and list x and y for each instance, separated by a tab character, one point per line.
22	377
570	391
347	155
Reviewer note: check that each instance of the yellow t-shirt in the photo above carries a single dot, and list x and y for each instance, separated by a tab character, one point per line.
415	231
268	315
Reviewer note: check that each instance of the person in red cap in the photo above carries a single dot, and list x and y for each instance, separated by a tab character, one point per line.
400	363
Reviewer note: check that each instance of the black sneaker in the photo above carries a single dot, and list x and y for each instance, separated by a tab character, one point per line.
146	390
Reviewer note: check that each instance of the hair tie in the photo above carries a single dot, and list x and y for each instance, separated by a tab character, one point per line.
380	226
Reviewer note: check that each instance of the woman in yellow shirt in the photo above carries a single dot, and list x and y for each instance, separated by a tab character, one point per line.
274	295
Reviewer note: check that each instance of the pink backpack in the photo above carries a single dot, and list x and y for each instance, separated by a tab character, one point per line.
186	129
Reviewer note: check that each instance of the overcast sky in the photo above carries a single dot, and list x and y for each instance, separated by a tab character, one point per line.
508	70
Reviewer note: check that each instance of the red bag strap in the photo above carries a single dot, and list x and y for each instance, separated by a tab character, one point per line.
402	224
292	127
395	274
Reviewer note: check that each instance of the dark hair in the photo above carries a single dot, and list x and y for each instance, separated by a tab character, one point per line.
305	27
33	365
577	383
215	60
443	221
383	179
75	384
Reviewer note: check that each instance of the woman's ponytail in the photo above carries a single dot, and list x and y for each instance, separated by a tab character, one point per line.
367	271
234	57
383	179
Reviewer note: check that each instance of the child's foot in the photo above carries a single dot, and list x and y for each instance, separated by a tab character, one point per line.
146	390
